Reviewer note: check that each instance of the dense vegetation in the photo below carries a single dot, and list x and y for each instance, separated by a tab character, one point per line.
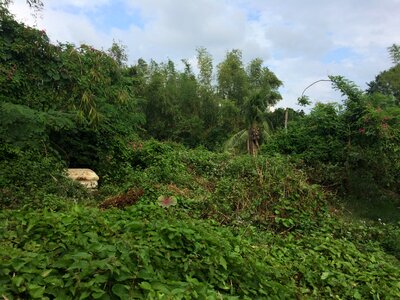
204	194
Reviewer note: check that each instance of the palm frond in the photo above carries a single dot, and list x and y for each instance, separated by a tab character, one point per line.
237	142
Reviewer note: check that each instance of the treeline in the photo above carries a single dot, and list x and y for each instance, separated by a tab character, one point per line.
96	90
87	107
353	147
188	108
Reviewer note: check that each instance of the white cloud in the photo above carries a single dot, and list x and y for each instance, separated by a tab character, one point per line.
82	4
62	26
176	28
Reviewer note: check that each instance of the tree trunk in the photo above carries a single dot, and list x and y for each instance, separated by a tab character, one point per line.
253	140
286	119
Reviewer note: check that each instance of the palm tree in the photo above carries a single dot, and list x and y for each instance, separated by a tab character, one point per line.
261	92
255	108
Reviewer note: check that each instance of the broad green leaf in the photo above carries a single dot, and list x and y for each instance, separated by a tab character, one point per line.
122	291
222	262
146	286
46	273
160	287
84	295
17	280
101	278
35	291
82	255
357	295
325	275
98	294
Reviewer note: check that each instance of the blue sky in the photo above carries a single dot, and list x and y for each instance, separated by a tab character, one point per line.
301	41
339	54
115	14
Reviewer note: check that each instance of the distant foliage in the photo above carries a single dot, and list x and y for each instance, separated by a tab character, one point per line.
189	109
394	52
387	83
354	146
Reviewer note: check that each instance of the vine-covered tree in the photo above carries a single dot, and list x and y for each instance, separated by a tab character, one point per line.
61	97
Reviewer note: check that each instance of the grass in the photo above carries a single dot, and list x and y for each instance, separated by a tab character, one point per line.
379	210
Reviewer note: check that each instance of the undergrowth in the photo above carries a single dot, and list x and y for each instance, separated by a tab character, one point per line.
151	252
242	228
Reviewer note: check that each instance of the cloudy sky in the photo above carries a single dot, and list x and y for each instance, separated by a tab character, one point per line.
301	41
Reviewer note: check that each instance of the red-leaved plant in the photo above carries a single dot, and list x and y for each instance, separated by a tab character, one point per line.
166	201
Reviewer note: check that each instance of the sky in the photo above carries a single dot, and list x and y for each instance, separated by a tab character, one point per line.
300	41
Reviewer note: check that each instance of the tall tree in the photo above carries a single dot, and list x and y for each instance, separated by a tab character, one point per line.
205	65
265	82
140	75
160	93
210	104
189	128
262	93
394	52
118	52
232	78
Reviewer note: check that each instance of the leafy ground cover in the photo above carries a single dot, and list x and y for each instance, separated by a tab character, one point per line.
151	252
242	228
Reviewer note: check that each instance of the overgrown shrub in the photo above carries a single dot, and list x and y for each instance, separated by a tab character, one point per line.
268	192
34	180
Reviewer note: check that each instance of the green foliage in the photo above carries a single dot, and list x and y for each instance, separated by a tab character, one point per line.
267	192
81	79
118	53
304	100
317	137
276	118
189	109
75	103
373	128
383	232
394	52
232	78
30	179
29	128
191	224
354	147
263	82
387	83
205	64
148	252
160	161
237	143
260	87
